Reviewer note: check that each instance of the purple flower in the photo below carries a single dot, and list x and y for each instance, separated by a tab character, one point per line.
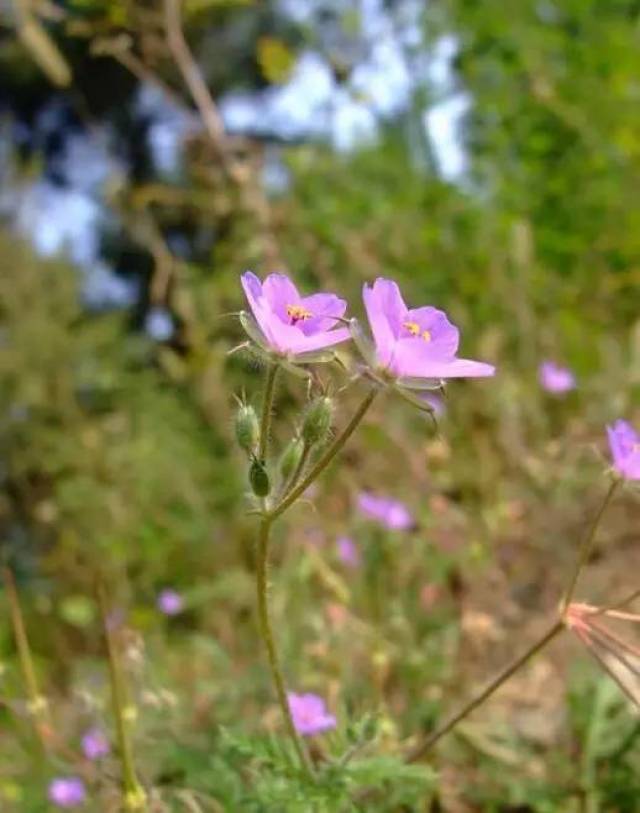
556	379
624	443
67	791
309	712
416	347
288	324
95	744
348	552
392	514
169	602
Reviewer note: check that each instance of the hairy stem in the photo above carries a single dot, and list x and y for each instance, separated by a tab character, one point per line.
267	408
586	547
134	795
266	631
322	463
37	703
426	745
297	472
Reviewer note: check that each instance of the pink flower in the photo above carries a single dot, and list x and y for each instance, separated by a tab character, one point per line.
95	744
414	346
309	712
392	514
170	602
288	324
67	791
624	443
556	379
348	552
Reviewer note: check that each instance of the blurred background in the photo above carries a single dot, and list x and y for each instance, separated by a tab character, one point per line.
484	155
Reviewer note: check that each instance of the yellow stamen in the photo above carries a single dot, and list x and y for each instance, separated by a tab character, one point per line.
414	329
298	313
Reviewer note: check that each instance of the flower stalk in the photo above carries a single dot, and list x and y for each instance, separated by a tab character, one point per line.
37	702
586	548
427	744
134	796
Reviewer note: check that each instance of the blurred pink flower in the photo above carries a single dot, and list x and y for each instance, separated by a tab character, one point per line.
288	324
416	346
390	513
309	712
170	602
348	552
95	744
624	443
67	791
556	379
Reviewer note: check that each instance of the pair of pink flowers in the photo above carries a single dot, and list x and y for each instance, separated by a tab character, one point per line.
413	347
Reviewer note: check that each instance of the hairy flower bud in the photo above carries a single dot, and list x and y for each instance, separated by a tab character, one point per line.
259	478
291	457
247	428
317	420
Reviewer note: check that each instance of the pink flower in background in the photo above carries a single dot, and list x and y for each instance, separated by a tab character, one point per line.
309	712
170	602
288	324
348	552
556	379
67	791
417	346
624	443
95	744
391	513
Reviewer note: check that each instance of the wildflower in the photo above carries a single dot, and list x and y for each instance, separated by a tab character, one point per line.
95	744
414	349
348	552
288	325
624	443
392	514
68	791
170	602
309	712
556	379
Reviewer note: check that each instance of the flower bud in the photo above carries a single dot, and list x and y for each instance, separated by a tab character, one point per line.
247	429
291	457
259	478
317	420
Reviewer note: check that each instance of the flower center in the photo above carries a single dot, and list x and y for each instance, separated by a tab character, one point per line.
298	313
414	330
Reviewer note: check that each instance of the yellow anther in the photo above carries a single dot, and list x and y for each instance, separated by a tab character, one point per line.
298	313
412	327
426	335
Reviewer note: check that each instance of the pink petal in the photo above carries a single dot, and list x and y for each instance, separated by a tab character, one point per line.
279	292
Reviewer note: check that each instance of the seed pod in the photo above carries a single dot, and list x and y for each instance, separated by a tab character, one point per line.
291	457
317	420
247	429
259	478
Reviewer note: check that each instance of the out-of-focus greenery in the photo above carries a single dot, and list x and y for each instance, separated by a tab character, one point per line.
116	454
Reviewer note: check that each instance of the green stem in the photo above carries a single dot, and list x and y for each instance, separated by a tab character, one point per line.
322	463
134	795
422	748
267	407
304	457
37	702
586	547
266	632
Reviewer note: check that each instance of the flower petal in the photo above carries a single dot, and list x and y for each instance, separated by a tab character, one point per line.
279	292
385	311
326	310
